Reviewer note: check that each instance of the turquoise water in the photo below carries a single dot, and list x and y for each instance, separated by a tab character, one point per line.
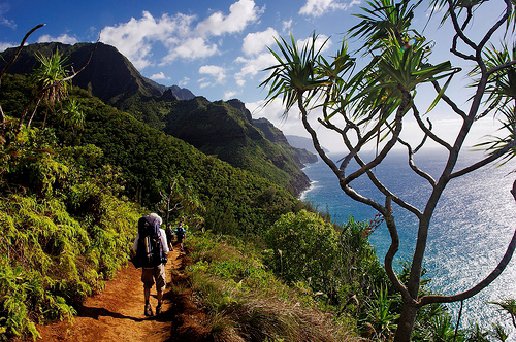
470	229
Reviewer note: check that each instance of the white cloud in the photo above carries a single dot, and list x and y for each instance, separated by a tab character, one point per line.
180	34
184	81
4	8
215	71
257	42
135	38
159	76
9	23
228	95
319	41
191	48
317	8
241	14
255	64
63	38
287	26
252	66
204	83
5	45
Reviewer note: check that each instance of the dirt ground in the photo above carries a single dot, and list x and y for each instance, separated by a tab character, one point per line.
116	314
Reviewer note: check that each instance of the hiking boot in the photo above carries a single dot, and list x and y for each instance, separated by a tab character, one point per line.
158	309
147	310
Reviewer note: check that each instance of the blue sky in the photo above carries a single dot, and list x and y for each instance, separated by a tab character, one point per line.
217	49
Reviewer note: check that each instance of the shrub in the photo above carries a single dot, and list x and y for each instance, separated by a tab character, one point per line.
304	248
246	302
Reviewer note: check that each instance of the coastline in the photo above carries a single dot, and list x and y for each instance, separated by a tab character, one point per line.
303	194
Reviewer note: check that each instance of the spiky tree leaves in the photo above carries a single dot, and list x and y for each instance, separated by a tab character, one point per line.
381	20
71	115
49	78
501	98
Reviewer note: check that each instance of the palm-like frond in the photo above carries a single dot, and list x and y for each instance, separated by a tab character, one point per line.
295	74
399	69
71	114
456	5
501	86
497	143
49	77
382	19
501	97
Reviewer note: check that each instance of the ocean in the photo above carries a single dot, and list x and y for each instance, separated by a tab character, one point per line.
470	230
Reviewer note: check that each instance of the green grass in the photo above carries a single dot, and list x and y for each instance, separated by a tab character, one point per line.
247	302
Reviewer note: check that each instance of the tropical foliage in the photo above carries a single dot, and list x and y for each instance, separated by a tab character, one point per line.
248	302
65	189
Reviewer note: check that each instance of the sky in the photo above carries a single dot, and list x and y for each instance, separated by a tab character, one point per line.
217	49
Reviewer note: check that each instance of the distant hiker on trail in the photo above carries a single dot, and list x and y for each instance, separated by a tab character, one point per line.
180	232
170	237
151	248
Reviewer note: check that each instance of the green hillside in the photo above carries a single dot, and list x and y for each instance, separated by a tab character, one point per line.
225	130
72	188
67	212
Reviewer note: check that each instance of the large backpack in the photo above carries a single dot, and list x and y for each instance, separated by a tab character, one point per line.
149	252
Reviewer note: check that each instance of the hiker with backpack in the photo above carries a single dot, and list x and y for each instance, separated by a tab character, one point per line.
180	232
150	253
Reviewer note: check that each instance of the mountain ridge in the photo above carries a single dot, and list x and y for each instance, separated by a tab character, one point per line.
109	75
225	130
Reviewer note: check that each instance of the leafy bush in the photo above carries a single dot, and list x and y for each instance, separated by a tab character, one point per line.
304	248
63	232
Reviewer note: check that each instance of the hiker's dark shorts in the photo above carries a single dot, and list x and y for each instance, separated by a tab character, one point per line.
151	274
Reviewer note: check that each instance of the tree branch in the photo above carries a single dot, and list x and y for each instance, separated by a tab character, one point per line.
8	65
446	99
427	131
365	169
391	252
19	50
500	67
412	164
345	187
496	26
494	156
457	28
477	288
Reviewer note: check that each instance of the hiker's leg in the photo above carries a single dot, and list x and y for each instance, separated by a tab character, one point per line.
160	285
146	294
148	281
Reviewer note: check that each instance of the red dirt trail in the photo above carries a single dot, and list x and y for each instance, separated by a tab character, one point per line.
116	314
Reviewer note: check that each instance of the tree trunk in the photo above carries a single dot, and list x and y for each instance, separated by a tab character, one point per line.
406	323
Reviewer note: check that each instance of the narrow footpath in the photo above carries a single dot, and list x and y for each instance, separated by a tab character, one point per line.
116	314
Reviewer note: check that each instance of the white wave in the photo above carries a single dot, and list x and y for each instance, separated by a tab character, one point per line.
313	186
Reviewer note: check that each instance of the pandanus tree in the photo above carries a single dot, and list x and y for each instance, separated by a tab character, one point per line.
52	81
367	102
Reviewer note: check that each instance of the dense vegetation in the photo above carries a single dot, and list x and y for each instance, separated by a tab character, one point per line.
66	213
235	200
246	301
223	129
64	229
73	185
